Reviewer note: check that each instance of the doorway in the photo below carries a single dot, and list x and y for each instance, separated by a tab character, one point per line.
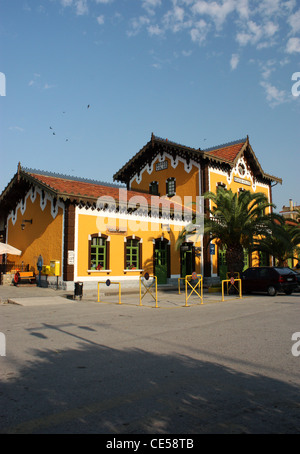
162	260
187	259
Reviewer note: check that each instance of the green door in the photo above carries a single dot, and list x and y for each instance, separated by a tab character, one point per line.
187	260
222	264
161	261
263	258
246	260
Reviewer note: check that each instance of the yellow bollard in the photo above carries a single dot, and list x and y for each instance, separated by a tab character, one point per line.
108	282
199	283
235	275
148	289
232	282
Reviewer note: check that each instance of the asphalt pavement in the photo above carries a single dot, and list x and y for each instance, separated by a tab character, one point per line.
79	366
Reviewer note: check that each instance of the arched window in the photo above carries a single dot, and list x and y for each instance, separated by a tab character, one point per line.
132	253
171	187
99	252
153	188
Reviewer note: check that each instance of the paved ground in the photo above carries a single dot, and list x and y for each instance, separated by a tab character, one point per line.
88	367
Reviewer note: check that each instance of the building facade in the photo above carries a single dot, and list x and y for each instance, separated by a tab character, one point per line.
175	170
292	211
97	231
292	214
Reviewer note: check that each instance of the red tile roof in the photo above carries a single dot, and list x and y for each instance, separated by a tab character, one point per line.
90	190
227	152
74	187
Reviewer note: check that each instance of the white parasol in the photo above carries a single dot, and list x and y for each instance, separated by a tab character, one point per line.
7	249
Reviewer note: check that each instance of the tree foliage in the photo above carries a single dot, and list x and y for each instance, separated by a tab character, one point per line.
234	220
282	242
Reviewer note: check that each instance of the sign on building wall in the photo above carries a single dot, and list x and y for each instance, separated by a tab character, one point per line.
161	165
71	256
242	181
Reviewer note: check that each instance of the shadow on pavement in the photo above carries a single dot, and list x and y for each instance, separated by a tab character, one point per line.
97	389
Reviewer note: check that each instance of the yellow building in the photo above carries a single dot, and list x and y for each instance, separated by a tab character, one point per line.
171	169
292	211
95	231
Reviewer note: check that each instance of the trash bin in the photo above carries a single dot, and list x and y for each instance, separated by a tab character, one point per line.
78	289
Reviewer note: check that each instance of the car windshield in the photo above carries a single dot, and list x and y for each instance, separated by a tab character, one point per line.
284	270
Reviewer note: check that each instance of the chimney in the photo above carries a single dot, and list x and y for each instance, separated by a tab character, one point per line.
291	205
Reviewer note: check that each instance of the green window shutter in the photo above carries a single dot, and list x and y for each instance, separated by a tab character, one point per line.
171	187
153	188
98	252
133	257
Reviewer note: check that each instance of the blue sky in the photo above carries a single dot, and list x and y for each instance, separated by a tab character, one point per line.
200	73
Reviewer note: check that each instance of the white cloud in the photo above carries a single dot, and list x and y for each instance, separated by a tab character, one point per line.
186	53
253	34
155	30
234	61
242	7
258	34
100	19
174	19
66	2
294	22
243	38
16	128
35	79
267	67
293	45
178	13
136	25
150	5
289	5
270	28
48	86
273	94
81	7
269	7
199	31
216	11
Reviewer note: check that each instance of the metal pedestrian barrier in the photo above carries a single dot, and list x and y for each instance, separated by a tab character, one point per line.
229	276
232	282
148	288
108	283
199	284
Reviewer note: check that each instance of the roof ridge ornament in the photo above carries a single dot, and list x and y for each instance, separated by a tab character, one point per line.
19	171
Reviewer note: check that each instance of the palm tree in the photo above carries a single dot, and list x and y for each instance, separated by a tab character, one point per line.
282	242
234	220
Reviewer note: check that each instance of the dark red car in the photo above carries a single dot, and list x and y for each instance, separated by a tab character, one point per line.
269	279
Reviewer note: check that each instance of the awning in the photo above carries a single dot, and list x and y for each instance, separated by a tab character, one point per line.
7	249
